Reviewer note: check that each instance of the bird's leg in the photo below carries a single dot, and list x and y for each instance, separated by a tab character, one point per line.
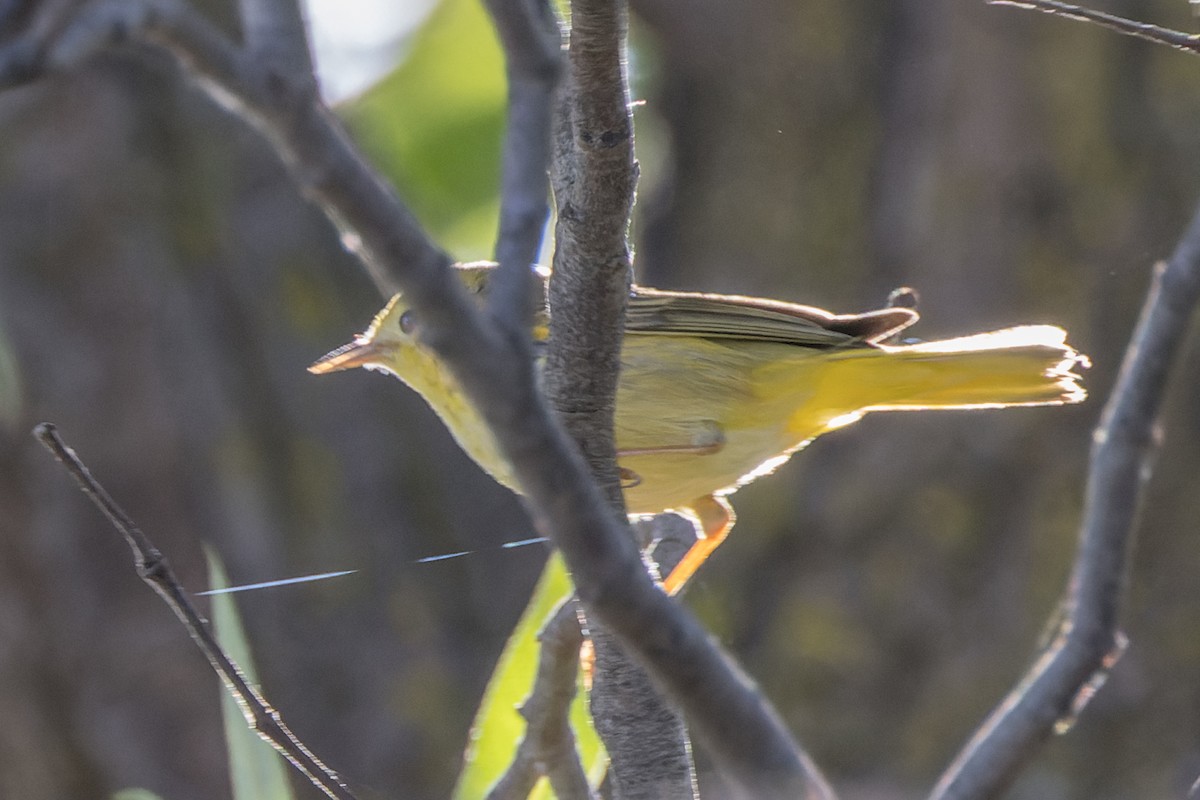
705	449
712	514
715	517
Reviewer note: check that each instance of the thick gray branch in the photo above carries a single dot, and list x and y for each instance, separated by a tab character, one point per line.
595	177
275	33
594	180
532	40
1089	640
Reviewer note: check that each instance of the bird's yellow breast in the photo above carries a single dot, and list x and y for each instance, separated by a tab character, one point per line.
708	412
433	381
697	416
691	417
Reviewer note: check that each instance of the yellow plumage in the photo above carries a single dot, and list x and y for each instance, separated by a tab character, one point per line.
716	390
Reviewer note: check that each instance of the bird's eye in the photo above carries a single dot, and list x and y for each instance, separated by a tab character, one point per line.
408	323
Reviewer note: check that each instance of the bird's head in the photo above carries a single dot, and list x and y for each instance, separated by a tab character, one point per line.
381	346
390	343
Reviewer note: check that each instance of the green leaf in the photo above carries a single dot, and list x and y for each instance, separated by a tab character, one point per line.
256	771
134	794
434	126
498	727
10	386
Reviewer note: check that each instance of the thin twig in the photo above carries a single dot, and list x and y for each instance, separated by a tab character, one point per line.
153	568
1089	641
374	223
529	32
1189	43
548	747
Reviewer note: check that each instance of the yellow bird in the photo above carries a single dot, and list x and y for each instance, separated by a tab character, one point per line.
717	390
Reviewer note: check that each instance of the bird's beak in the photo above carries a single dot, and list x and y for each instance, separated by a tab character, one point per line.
359	353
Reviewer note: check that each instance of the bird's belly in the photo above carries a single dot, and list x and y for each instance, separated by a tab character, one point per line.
660	481
705	424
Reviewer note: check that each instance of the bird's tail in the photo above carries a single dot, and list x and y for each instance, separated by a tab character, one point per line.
1027	366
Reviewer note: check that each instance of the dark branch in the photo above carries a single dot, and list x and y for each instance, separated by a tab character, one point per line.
742	733
594	182
532	41
274	33
153	568
595	177
1189	43
1089	641
374	223
529	33
548	747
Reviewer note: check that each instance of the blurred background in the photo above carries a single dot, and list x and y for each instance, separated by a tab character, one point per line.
163	287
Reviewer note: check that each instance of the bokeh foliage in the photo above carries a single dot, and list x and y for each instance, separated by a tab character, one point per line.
433	126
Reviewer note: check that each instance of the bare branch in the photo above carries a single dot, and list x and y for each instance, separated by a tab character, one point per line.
595	177
594	180
529	32
746	738
153	568
28	31
275	33
1189	43
548	747
323	162
530	35
1088	642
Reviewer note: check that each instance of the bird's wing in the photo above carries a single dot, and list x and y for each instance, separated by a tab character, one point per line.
718	316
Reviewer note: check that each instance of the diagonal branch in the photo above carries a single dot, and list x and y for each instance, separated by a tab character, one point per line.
532	41
745	737
374	223
1089	641
1189	43
274	32
595	176
548	746
153	568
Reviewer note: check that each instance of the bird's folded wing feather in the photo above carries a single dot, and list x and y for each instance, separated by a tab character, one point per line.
653	311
